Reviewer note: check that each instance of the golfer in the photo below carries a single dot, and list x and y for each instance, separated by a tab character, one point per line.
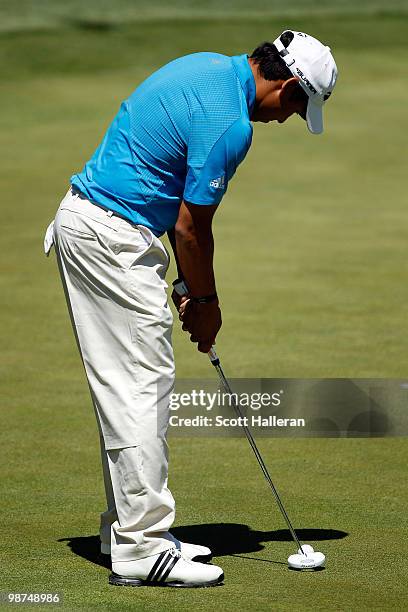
164	165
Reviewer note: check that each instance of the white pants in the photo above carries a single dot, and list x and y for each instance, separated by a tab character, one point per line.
113	275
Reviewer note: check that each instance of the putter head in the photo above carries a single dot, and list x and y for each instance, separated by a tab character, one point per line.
306	558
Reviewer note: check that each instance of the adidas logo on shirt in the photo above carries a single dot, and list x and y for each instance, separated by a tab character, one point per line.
218	183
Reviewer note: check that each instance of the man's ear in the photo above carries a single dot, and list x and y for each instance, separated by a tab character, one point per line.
288	89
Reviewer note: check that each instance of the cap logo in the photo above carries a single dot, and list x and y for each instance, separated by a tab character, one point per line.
306	81
327	96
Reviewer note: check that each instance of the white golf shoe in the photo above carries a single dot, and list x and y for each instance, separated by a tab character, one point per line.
167	569
192	552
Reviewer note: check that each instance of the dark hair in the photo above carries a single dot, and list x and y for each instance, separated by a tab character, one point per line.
272	67
270	64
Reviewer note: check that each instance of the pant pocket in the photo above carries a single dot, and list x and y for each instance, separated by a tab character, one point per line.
130	244
76	233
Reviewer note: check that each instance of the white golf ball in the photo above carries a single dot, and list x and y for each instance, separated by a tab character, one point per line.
306	548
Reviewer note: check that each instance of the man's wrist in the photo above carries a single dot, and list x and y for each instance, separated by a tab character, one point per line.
181	288
205	299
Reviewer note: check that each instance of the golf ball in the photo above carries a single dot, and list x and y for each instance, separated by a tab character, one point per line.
306	548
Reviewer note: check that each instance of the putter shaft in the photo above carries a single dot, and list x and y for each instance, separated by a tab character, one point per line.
216	363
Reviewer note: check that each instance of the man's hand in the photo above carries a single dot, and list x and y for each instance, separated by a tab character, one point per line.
202	321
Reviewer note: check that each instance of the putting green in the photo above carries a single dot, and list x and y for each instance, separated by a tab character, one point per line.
311	269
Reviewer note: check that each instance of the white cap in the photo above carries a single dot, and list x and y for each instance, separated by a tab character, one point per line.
313	64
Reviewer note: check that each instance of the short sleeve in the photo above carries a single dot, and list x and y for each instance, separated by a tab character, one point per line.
207	182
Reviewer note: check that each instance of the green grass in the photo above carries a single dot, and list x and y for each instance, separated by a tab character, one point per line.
99	14
311	269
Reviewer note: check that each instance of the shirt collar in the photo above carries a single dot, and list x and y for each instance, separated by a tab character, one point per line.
244	73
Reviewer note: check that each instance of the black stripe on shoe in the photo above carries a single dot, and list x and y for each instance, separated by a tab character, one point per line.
170	566
159	560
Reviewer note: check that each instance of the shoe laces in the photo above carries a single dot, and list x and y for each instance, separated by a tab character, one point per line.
175	552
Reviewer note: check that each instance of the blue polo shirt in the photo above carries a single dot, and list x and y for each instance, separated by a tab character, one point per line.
180	135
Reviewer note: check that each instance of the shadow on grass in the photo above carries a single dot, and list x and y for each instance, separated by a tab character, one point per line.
234	538
89	548
222	538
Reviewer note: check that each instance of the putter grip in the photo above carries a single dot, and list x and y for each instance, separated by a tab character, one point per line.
213	357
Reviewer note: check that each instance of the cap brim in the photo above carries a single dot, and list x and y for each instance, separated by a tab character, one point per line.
314	117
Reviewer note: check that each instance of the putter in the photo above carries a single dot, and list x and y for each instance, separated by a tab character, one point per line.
306	557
